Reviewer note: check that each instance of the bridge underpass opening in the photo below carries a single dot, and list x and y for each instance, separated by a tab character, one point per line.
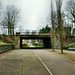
32	43
36	43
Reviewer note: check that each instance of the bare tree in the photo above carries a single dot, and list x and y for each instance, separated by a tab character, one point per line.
52	20
60	23
70	10
53	23
11	18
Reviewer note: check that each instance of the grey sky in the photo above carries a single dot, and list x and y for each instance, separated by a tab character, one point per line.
34	13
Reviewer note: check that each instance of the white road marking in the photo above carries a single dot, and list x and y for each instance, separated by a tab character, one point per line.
43	64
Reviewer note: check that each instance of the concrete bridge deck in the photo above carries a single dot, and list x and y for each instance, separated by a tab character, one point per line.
33	35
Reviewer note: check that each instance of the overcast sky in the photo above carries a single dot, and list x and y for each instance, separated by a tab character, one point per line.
34	13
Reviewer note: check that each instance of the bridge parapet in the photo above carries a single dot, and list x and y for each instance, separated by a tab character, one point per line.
31	33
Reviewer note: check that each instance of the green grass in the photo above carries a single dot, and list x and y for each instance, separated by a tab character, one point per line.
1	43
34	46
38	46
26	46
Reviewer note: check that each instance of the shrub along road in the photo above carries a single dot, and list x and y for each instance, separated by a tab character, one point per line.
34	62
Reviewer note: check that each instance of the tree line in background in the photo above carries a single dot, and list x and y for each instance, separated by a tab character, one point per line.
67	30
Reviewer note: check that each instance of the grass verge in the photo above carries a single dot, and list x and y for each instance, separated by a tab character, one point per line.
67	54
38	46
1	43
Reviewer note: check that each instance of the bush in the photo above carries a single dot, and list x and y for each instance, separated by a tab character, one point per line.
66	47
69	45
72	45
72	41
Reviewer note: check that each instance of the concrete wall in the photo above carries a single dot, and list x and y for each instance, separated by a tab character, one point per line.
5	48
17	45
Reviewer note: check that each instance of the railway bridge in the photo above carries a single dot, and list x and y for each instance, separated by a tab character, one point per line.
34	35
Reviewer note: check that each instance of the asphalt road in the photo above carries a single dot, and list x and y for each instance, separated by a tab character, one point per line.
34	62
57	65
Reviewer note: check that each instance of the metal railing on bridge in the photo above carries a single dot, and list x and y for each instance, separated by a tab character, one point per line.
32	33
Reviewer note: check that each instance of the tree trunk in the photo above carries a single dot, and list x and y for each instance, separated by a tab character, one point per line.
52	20
61	41
60	28
53	40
